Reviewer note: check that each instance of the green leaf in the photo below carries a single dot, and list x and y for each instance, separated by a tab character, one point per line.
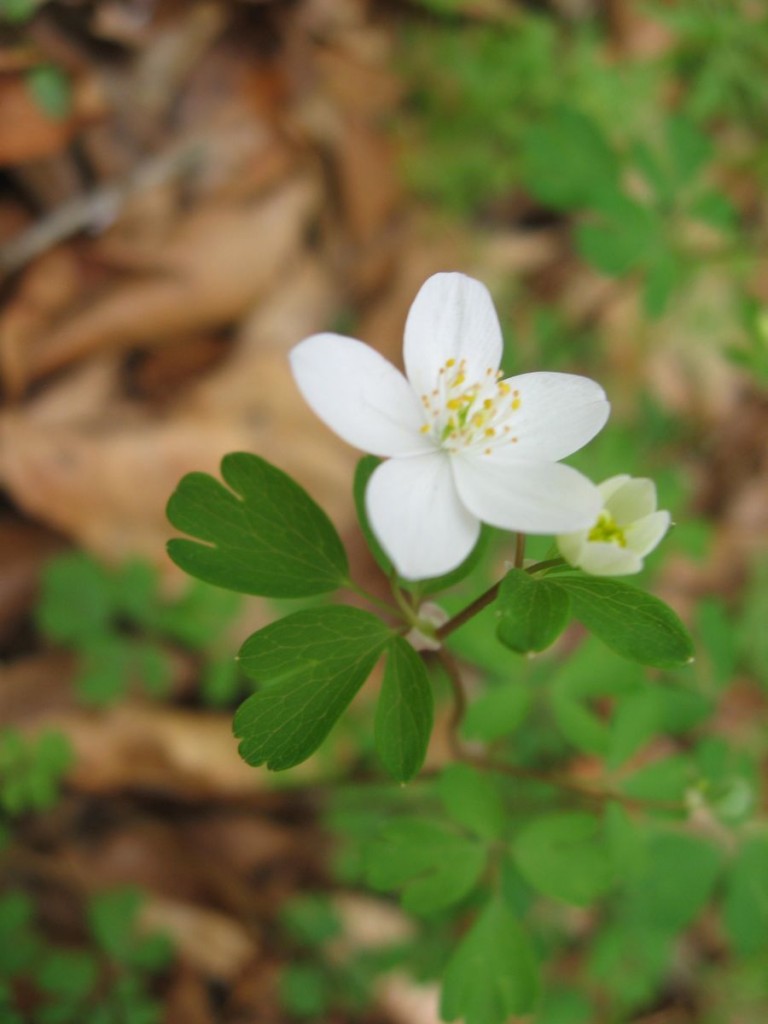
310	665
565	856
667	779
715	209
629	621
567	162
592	673
18	944
689	149
135	591
717	634
636	721
404	712
68	974
629	962
305	990
626	841
265	536
434	866
497	712
51	90
643	714
492	975
473	800
680	873
665	275
18	10
220	682
564	1006
532	612
111	916
745	907
105	670
311	920
153	667
620	237
200	617
76	599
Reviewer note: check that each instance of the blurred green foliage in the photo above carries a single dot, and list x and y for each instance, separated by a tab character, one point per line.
122	627
106	982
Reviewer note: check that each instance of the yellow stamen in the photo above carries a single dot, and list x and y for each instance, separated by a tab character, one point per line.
607	531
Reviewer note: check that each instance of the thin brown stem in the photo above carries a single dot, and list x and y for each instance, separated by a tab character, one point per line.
519	550
486	598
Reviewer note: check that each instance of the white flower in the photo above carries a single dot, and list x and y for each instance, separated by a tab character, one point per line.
463	445
625	531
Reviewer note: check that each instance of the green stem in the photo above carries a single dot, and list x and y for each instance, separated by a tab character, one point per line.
407	610
377	602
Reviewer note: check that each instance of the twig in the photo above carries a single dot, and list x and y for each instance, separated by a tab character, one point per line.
98	208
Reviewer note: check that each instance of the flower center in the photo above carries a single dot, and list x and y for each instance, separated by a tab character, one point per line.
607	531
461	415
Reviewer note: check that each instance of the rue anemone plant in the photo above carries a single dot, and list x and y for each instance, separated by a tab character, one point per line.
452	448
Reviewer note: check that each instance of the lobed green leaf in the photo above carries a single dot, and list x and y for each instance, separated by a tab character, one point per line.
434	866
265	536
310	665
473	800
565	856
492	975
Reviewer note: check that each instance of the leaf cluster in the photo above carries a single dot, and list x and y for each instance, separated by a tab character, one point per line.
120	626
638	208
31	770
104	983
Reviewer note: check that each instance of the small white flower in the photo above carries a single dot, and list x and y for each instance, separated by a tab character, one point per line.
463	445
625	531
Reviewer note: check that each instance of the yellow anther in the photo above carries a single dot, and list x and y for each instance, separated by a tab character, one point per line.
490	432
425	429
504	388
488	403
450	363
516	403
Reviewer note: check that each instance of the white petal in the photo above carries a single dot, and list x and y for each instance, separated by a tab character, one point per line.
416	514
452	317
532	497
571	545
558	414
611	485
633	500
359	395
643	535
604	559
